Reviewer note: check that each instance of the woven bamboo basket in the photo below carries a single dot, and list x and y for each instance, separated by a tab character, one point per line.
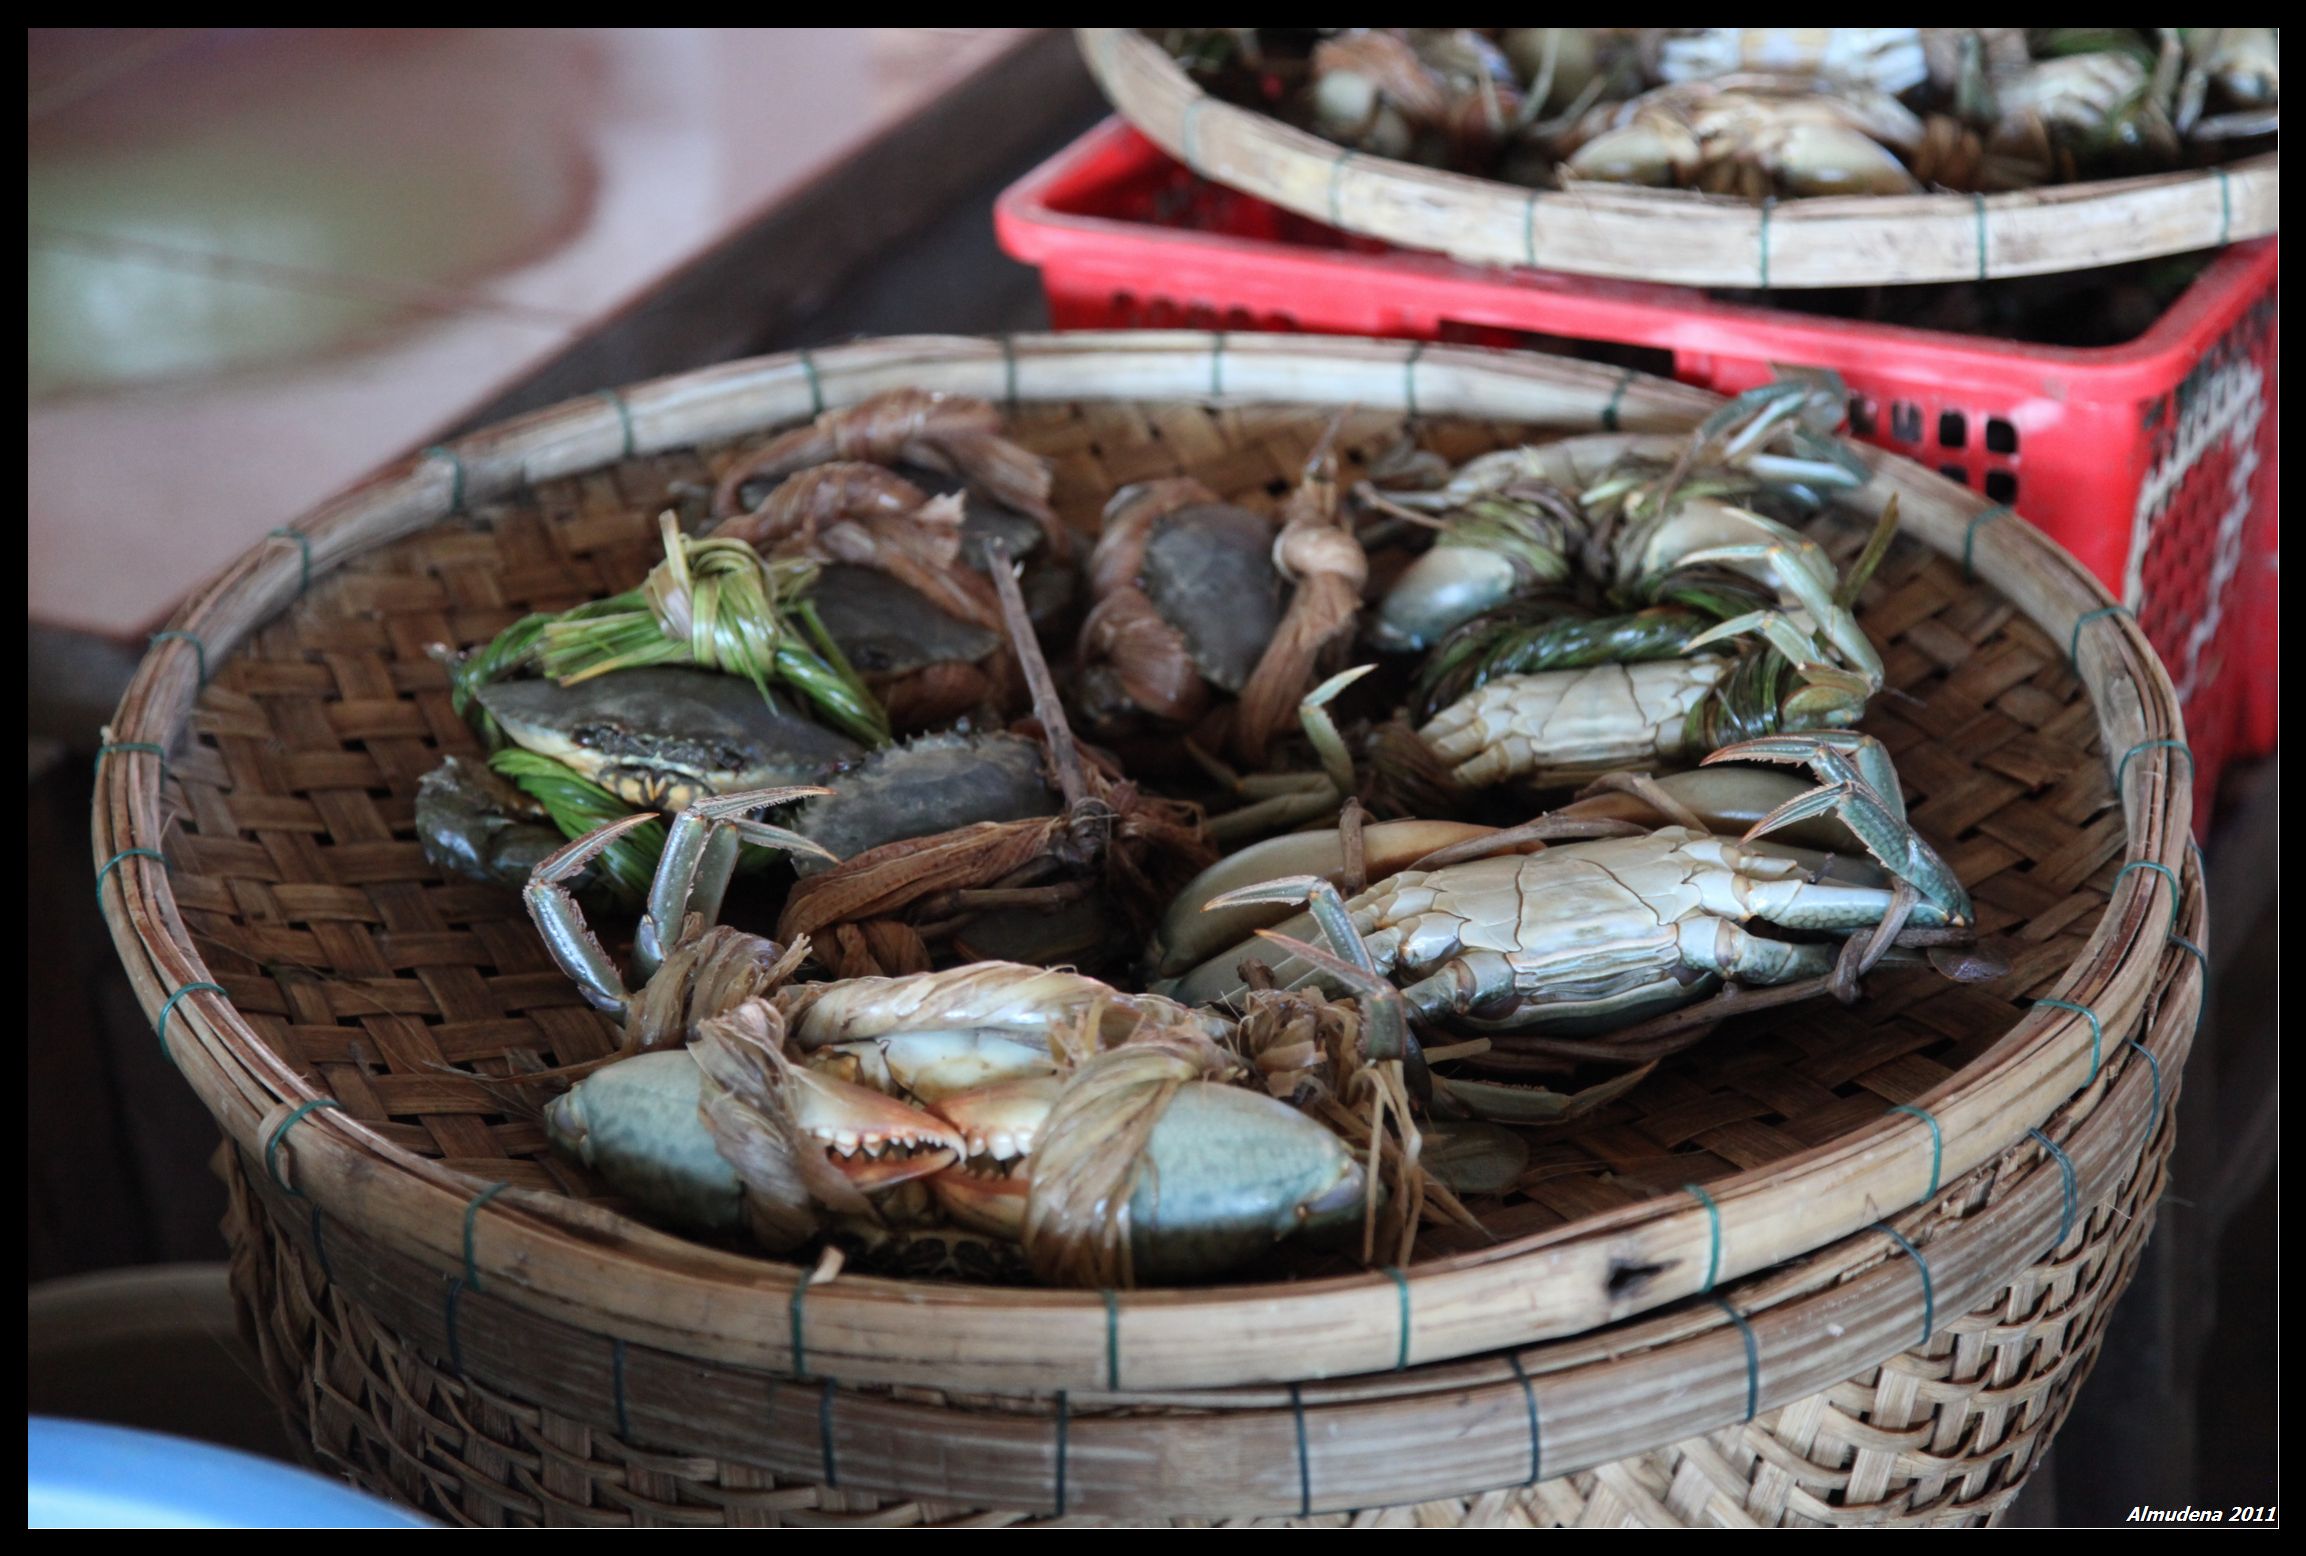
1677	235
1832	1265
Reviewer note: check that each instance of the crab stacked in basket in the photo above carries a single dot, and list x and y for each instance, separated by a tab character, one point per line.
1762	112
1241	889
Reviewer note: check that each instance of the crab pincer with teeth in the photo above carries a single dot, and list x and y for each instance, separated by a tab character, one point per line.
639	1124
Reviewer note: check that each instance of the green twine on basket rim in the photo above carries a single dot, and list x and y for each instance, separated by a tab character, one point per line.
816	384
196	986
1616	398
472	1210
272	1141
2000	510
304	555
126	853
199	649
1401	1286
825	1433
455	472
1713	1229
2066	1175
1921	1267
1409	376
1979	205
796	1309
146	747
2074	643
1937	1145
2154	1068
2123	766
1304	1458
624	412
1529	1398
2167	874
2097	1029
1113	1341
1753	1355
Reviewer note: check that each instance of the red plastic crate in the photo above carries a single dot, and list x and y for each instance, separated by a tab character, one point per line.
2153	462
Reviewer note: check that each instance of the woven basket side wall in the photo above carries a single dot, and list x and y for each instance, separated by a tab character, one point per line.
1940	1435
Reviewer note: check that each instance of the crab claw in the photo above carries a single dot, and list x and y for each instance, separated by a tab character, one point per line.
1313	714
561	923
997	1124
735	810
1834	755
701	854
1321	899
1877	823
1386	1012
875	1141
1801	569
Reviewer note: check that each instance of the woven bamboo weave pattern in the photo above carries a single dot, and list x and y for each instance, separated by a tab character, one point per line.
302	884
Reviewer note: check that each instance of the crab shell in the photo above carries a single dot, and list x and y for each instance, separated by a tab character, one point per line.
1726	799
659	738
1228	1174
1187	599
931	784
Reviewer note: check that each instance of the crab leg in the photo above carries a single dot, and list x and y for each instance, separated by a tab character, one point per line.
700	855
562	923
1349	962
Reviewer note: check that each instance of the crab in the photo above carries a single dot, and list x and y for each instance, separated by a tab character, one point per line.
1593	935
1753	135
1552	692
661	738
1135	1162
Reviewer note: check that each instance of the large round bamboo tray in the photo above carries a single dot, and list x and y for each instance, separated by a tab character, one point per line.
1676	235
454	1313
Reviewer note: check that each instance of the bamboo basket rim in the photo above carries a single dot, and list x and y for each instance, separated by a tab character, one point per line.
1450	1428
551	1253
1680	236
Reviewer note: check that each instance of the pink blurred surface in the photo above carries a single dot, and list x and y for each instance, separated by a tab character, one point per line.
266	262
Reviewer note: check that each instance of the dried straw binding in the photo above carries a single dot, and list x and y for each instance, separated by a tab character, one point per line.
1676	235
385	1265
